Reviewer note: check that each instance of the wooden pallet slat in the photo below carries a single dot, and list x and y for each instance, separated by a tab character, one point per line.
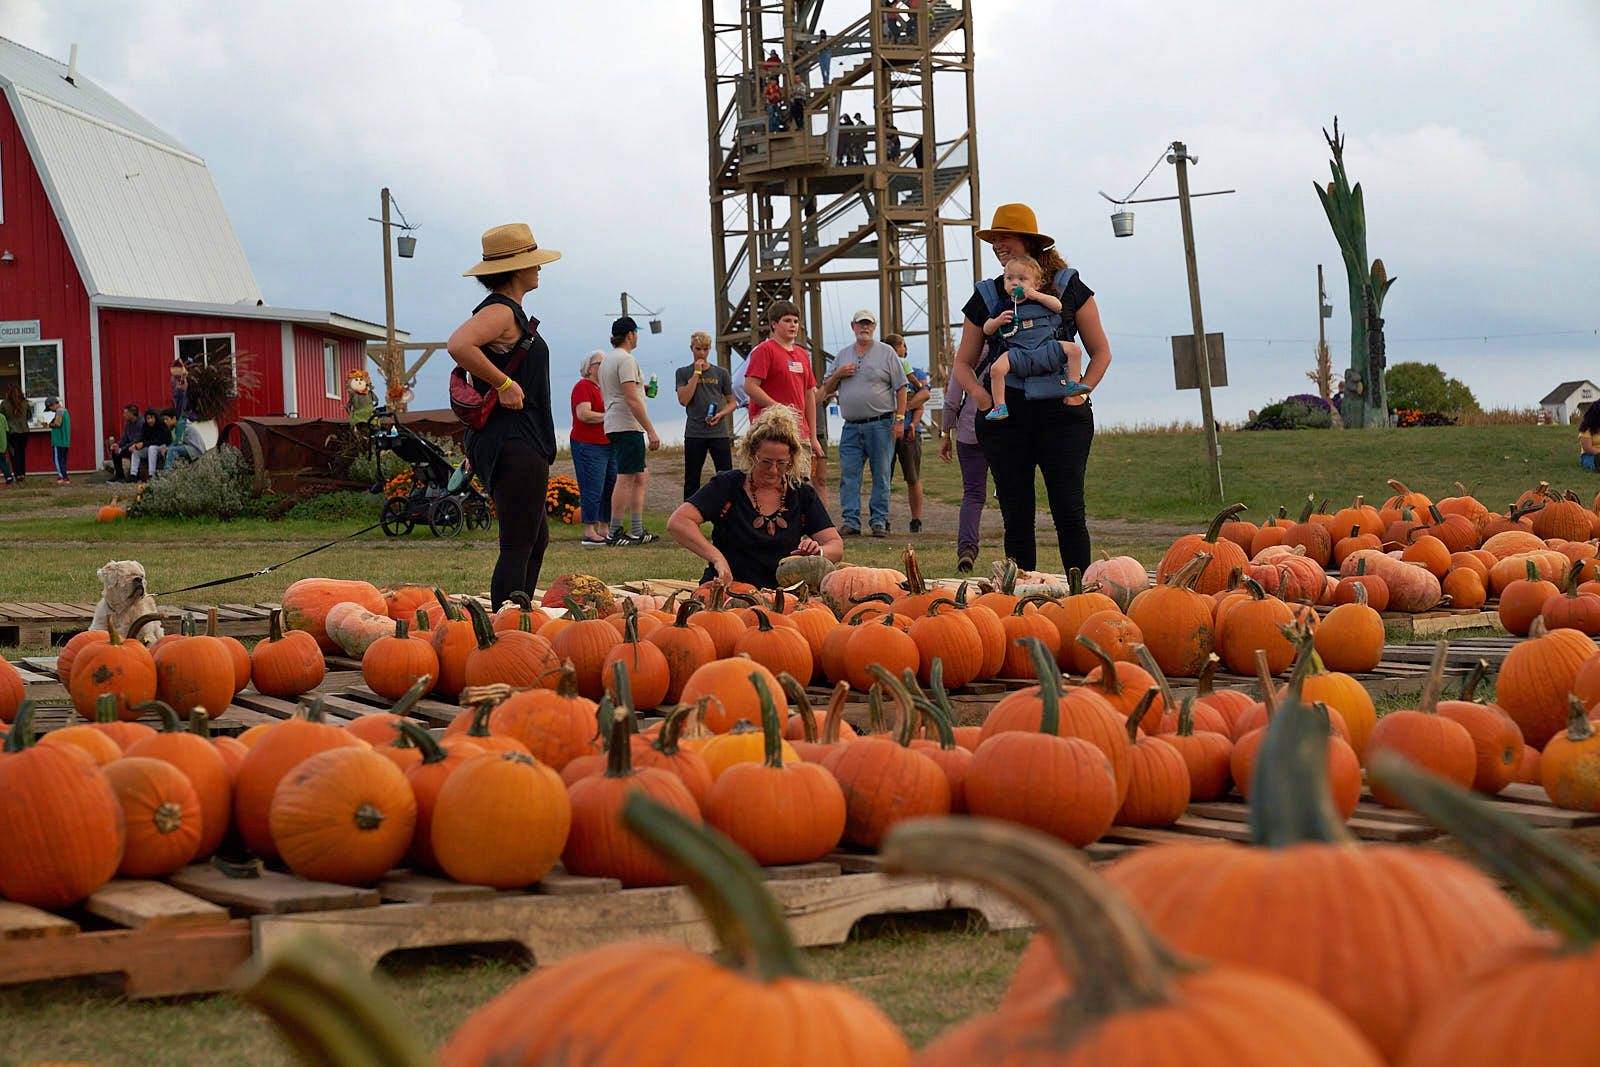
163	961
20	922
272	893
141	904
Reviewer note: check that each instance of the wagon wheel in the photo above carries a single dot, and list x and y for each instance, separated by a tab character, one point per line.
396	517
479	517
444	517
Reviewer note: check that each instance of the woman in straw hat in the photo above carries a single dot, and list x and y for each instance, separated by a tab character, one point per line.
1052	433
511	454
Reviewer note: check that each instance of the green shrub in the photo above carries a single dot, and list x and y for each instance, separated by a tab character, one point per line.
361	468
1291	414
217	485
336	507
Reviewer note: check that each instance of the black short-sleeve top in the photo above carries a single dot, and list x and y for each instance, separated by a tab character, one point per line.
751	551
533	422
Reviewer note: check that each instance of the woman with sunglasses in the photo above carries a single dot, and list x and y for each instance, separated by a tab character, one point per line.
762	510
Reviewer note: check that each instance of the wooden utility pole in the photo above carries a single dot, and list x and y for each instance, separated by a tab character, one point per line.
1180	156
393	372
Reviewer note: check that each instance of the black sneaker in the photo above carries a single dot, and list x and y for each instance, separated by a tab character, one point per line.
645	538
619	537
916	525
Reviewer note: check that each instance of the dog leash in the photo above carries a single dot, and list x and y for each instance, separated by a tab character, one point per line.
275	566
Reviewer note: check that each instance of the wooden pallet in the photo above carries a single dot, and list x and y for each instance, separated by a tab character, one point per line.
565	916
159	940
34	624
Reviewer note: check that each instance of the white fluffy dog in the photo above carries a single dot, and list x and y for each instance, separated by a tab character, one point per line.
125	599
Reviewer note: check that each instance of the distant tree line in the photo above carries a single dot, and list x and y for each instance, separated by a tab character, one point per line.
1424	387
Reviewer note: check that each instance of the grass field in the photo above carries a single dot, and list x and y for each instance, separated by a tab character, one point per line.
926	974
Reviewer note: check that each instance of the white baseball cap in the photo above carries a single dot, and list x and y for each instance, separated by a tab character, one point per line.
863	316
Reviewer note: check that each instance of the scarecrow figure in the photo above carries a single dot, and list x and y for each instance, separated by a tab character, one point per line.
359	403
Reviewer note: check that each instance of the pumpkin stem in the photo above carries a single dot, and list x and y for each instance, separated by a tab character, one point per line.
1208	676
1578	726
423	625
313	708
1226	515
930	712
141	622
1305	512
619	756
802	705
1136	716
1291	801
1558	881
452	611
105	708
835	713
21	735
1429	703
1074	581
432	751
275	625
1469	687
666	741
169	718
1269	690
764	623
368	817
622	693
1044	665
200	723
1153	669
329	1010
914	583
482	628
1186	717
410	697
1185	576
907	723
1116	962
1109	681
875	723
771	732
726	883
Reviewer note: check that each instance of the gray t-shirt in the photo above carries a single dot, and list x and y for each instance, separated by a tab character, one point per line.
869	392
715	386
619	367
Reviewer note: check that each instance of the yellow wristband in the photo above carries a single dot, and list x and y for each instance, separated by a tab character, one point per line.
503	386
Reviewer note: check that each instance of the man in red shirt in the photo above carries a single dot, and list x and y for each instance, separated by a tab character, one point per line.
778	371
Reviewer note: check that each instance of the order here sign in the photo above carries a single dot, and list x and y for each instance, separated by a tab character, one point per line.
19	330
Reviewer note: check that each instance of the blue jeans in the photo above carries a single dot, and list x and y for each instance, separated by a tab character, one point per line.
61	460
859	445
1587	461
175	453
596	467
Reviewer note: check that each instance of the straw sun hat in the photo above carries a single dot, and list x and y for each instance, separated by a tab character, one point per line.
511	248
1014	218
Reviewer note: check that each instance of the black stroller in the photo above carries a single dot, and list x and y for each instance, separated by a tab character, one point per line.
444	496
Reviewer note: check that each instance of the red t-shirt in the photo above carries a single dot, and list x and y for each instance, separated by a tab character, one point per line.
590	433
785	376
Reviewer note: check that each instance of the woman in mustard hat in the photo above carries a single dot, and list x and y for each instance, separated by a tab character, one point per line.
1047	428
500	348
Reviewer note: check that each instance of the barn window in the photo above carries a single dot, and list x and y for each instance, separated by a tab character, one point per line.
330	369
203	349
36	368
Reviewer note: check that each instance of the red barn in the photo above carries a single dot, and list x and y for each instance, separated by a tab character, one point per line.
116	255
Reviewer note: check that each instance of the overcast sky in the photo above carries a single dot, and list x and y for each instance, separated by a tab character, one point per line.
1471	126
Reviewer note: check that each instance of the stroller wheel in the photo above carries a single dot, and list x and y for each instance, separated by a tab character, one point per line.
479	517
396	516
444	517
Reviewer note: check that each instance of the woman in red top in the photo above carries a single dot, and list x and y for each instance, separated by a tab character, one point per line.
592	458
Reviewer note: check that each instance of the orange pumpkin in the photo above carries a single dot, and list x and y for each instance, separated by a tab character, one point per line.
161	814
1176	622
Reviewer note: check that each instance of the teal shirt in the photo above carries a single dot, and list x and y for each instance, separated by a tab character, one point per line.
61	432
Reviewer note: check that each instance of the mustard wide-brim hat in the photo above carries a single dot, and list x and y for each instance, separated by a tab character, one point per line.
1018	219
511	248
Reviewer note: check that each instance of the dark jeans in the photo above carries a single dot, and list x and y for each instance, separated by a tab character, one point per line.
695	450
596	468
1055	438
521	477
61	460
19	453
119	457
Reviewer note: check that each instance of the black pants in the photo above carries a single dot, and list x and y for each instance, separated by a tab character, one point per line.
521	477
119	458
1055	438
18	443
694	459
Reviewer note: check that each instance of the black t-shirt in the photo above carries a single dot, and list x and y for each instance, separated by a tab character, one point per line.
533	422
1077	295
751	552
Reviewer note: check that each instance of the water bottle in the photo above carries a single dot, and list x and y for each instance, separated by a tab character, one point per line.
711	409
650	389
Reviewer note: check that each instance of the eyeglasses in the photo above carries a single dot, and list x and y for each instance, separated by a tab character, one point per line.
773	464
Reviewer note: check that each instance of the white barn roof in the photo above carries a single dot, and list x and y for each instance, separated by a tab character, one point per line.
140	212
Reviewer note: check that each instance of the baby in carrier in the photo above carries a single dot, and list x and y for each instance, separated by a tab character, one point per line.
1028	330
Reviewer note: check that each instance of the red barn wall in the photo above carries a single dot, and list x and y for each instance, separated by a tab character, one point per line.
136	349
41	282
310	381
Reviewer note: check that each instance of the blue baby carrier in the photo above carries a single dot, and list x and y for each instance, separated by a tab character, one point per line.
1036	359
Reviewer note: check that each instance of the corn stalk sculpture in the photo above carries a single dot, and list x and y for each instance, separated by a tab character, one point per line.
1365	403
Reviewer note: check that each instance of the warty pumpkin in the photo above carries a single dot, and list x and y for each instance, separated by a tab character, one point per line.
121	668
1133	1000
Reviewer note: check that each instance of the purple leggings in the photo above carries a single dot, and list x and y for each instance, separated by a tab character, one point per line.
974	493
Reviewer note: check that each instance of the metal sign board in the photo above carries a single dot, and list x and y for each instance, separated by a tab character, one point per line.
1185	368
19	331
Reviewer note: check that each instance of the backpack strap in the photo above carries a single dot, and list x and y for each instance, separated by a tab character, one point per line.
991	296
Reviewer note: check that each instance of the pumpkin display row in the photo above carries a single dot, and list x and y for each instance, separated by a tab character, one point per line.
1216	953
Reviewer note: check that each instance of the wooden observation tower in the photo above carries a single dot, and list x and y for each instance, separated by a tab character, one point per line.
814	200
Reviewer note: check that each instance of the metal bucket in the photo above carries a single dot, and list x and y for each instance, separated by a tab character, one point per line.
1122	223
406	245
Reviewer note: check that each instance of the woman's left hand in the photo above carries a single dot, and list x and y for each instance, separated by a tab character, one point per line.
808	547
